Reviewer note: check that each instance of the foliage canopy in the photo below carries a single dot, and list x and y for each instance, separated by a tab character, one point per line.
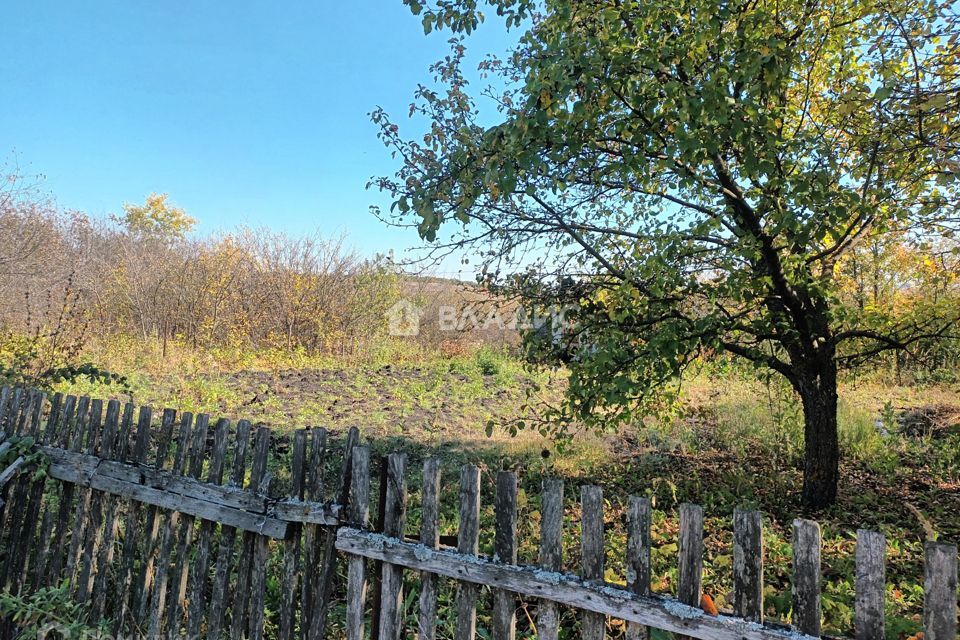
691	176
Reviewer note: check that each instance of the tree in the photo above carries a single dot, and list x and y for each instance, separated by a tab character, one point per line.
687	174
156	218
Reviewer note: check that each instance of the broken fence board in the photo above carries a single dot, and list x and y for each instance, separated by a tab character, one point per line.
654	611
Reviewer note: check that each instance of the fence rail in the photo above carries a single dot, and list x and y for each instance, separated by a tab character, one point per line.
168	530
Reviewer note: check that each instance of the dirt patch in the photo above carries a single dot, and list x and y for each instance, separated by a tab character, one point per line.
937	420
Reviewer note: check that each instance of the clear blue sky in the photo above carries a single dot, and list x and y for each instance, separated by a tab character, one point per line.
246	112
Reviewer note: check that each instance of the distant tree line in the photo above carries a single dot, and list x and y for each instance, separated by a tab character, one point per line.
143	273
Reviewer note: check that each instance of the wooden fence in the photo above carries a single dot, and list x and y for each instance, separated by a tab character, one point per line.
140	523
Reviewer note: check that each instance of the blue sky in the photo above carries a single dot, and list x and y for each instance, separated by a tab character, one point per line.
246	112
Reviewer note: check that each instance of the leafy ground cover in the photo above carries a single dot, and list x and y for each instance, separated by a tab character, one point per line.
731	440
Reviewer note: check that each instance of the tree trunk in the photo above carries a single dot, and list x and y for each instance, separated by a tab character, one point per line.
821	471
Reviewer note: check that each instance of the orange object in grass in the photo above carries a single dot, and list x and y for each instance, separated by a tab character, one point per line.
706	603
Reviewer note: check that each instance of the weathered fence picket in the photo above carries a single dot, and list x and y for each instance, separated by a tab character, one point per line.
593	625
291	546
806	577
690	582
181	569
391	583
551	552
468	544
748	565
504	602
360	518
638	556
940	589
430	538
228	535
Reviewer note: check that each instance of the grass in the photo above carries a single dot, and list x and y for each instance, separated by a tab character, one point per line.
733	440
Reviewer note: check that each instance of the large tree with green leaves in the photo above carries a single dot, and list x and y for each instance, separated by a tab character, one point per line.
689	175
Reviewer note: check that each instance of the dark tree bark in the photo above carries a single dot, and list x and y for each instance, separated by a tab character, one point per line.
817	387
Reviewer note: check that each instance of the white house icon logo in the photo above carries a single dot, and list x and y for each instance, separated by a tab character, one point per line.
403	318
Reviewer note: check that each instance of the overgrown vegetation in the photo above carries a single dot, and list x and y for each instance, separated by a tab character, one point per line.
143	274
723	435
731	439
699	177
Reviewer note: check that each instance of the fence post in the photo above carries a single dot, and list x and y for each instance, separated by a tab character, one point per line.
228	536
505	508
260	484
94	529
311	532
429	537
291	546
468	543
62	440
26	528
593	625
748	565
360	518
154	517
134	509
394	525
158	604
109	451
690	587
939	591
870	586
201	566
638	557
551	552
319	622
181	569
806	577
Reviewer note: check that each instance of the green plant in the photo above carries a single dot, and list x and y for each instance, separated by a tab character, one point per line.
49	350
693	177
49	613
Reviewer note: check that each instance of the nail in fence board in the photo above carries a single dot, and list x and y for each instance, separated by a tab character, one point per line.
468	543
